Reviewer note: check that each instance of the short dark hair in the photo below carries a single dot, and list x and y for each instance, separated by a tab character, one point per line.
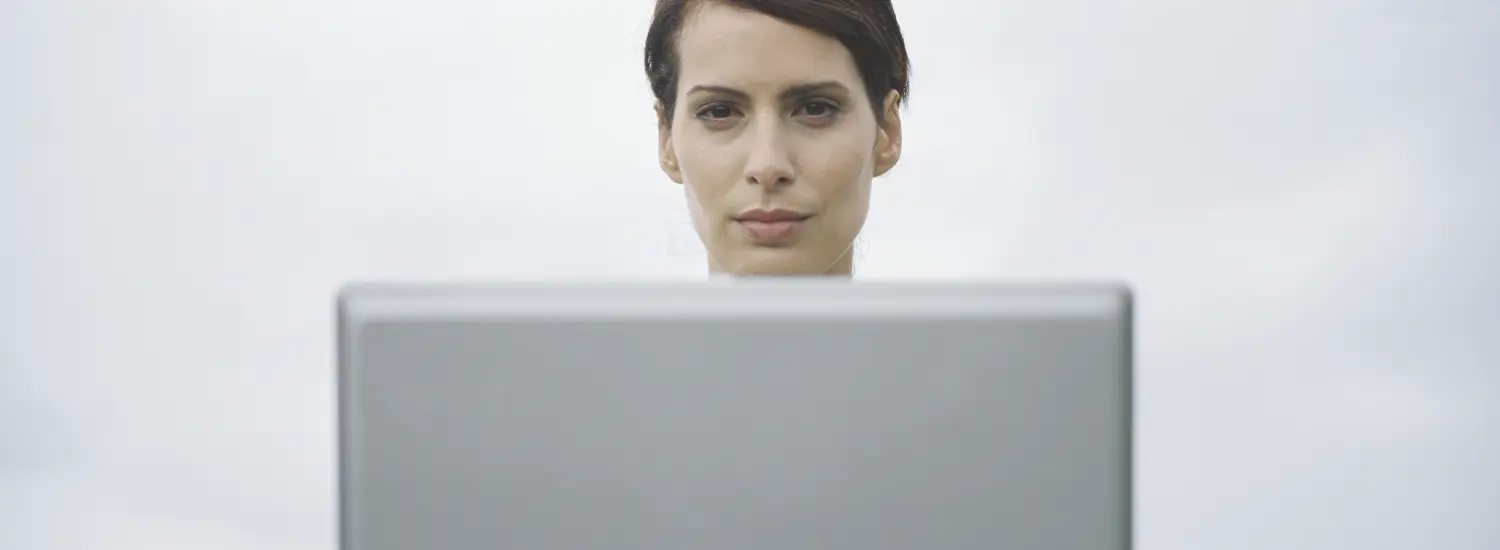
868	28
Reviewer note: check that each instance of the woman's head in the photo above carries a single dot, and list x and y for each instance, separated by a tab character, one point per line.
775	115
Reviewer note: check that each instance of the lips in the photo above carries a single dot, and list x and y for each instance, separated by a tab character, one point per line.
771	226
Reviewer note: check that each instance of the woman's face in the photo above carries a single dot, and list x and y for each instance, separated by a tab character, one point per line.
775	141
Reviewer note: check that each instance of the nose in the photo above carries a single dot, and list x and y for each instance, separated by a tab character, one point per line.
769	163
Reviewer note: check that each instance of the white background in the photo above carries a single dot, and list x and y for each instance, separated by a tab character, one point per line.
1305	195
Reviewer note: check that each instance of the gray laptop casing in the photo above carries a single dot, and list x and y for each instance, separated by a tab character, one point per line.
746	414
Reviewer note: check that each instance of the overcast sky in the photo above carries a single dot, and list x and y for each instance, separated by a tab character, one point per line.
1304	194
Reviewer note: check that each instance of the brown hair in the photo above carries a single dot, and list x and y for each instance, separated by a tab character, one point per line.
868	28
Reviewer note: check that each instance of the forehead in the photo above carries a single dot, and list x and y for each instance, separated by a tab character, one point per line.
721	44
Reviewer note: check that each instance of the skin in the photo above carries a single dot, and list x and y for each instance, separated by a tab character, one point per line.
772	115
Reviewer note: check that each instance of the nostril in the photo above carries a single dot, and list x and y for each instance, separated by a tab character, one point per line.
779	181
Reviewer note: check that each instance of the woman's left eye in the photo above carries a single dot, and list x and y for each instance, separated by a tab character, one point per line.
819	109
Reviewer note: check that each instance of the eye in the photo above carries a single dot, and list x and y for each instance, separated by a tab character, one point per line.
819	109
716	111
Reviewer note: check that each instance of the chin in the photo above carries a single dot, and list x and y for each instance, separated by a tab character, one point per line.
774	261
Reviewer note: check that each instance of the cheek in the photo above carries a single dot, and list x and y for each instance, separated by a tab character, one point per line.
708	171
841	168
708	176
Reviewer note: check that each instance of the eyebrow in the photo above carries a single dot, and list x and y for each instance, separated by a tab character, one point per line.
799	90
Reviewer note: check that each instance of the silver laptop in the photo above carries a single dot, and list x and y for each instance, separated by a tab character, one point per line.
744	414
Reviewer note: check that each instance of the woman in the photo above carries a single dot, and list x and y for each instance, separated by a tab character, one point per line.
774	116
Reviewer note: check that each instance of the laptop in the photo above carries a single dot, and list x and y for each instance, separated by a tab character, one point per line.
735	414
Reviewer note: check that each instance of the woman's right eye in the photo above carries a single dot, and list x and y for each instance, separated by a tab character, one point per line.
716	112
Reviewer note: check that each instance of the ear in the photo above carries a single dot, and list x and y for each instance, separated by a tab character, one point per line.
888	136
667	156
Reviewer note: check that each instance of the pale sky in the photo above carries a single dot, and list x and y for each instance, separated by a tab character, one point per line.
1303	193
